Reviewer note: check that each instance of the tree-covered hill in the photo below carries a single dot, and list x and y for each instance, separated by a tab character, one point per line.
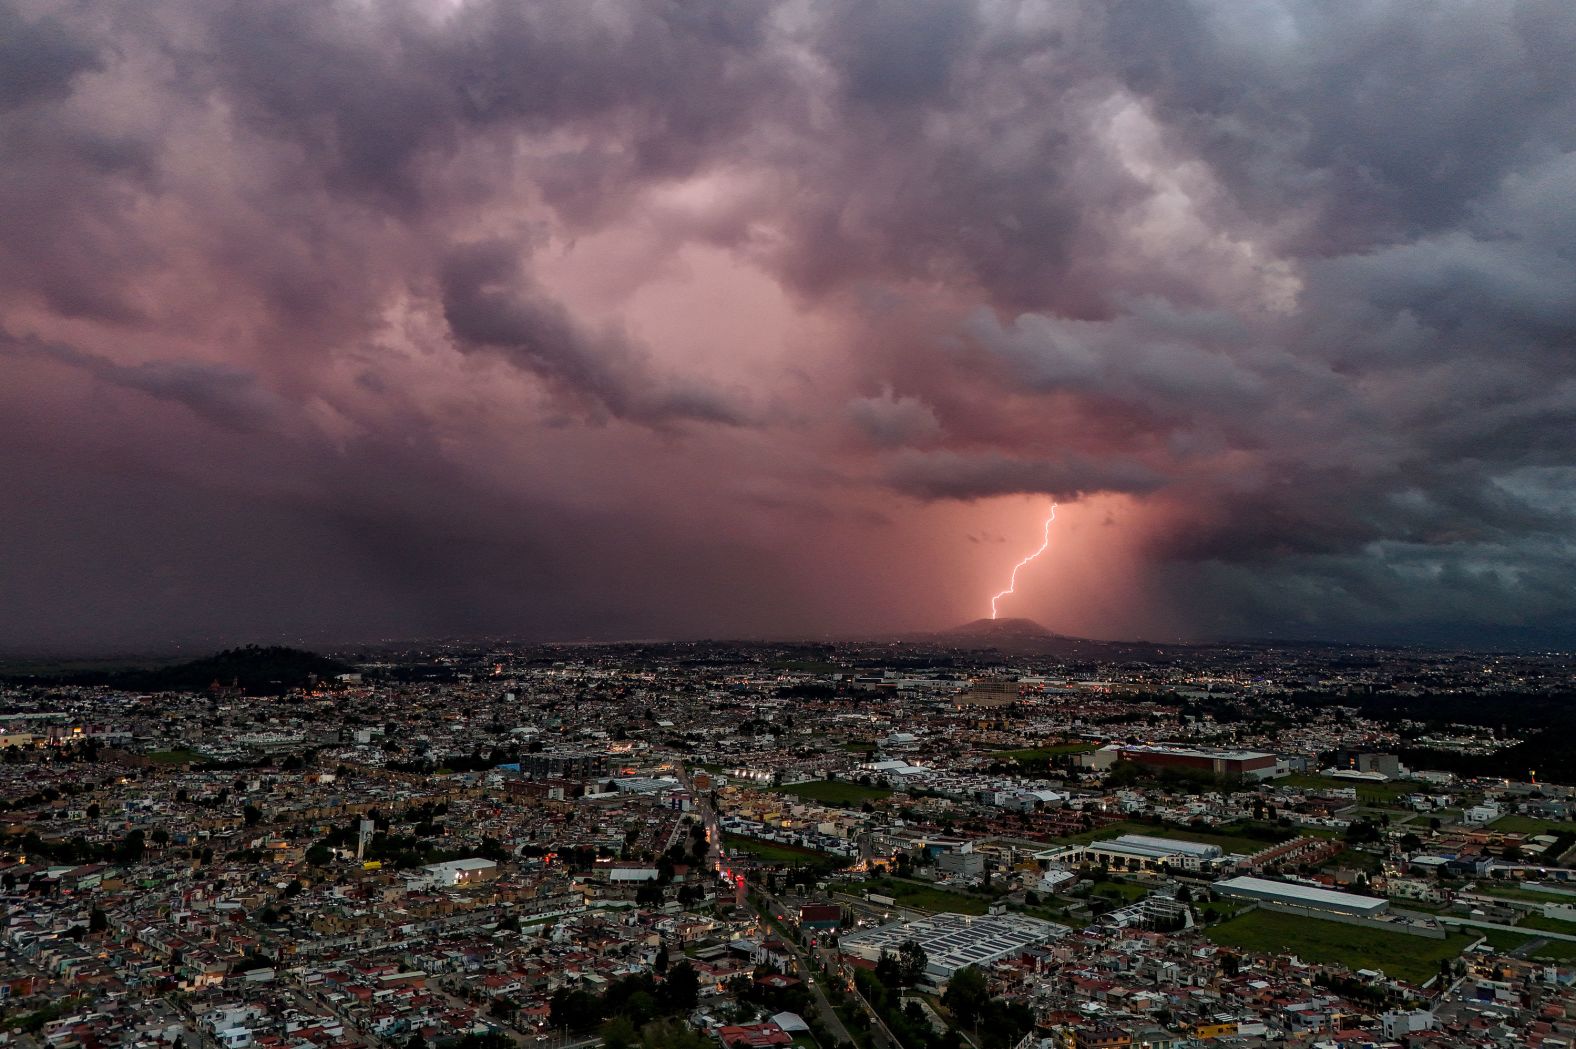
257	670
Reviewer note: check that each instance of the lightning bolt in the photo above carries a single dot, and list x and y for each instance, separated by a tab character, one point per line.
1012	583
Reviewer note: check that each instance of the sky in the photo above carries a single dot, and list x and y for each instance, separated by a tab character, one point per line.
337	320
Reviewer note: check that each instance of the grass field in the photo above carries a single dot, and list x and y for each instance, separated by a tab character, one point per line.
776	852
1531	825
1374	793
804	666
836	792
1517	892
1548	950
1410	958
921	897
177	757
1555	950
1127	890
1046	753
1504	941
1226	840
1538	921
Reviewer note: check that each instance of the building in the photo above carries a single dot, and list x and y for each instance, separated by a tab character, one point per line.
563	765
822	916
462	872
1234	764
624	870
965	863
1102	1038
989	692
1136	852
1387	765
1304	897
956	941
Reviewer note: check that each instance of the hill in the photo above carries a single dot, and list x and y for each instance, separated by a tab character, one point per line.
1000	628
1025	637
256	670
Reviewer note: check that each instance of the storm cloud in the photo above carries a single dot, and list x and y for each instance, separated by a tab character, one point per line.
332	320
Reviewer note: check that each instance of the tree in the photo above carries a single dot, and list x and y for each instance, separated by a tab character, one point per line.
889	971
680	991
912	961
98	921
251	813
576	1010
966	996
131	847
619	1033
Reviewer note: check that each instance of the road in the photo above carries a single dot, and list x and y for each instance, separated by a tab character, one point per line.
834	1024
823	1004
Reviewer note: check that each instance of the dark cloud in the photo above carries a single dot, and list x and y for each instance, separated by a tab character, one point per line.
39	59
1289	281
949	475
489	303
220	393
897	52
888	420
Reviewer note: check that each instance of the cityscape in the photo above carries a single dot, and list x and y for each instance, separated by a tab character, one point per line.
787	524
897	845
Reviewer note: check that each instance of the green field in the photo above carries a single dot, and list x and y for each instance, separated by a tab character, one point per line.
1538	921
1531	825
1127	890
776	852
1549	950
836	792
1216	836
1410	958
1555	951
1518	892
1046	753
804	666
921	897
1504	941
177	757
1374	793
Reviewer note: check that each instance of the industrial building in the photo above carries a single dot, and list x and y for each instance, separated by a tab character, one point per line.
989	692
1240	764
563	765
1137	852
460	872
1307	897
956	941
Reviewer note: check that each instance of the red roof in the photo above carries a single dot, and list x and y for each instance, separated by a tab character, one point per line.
754	1035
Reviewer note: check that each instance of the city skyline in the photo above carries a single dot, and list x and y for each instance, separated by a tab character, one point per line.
343	321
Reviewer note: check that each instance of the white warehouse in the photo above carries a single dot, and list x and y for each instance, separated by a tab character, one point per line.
1309	897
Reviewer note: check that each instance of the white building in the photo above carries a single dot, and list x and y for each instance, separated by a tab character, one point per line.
956	941
461	872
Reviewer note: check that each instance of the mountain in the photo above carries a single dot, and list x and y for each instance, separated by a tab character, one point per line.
1024	637
258	671
1000	629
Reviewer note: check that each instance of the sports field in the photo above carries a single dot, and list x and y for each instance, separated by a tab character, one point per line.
1410	958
